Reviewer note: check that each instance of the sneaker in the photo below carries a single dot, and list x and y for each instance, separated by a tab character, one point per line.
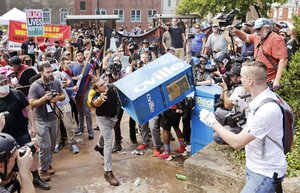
156	152
78	132
165	156
58	147
99	149
110	178
142	147
51	171
117	147
45	176
180	149
74	149
39	183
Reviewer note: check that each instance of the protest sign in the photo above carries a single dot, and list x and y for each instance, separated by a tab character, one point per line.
35	23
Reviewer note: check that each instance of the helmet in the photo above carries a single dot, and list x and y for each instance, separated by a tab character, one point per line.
7	146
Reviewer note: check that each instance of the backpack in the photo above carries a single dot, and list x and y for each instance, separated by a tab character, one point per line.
18	98
91	94
288	123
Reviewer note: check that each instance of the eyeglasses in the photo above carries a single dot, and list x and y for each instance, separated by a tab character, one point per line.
258	29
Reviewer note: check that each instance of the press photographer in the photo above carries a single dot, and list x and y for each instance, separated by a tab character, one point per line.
232	116
9	158
202	75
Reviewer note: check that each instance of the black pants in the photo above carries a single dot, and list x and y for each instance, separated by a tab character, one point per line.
132	126
186	122
74	111
117	128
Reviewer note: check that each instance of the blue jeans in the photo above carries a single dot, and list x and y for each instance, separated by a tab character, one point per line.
257	183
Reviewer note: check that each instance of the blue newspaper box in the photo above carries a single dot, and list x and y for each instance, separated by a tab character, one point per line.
152	89
205	97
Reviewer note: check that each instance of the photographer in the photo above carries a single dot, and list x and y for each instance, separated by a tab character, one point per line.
9	157
233	105
43	94
13	106
202	76
216	41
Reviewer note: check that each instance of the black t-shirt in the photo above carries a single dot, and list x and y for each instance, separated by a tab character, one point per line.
110	106
28	47
16	123
292	47
176	37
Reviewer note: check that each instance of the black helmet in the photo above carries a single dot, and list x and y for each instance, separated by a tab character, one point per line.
7	146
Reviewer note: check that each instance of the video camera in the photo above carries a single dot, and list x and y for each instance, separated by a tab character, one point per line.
153	47
237	119
224	77
190	36
22	150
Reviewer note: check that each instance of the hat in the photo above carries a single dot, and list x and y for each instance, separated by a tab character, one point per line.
261	22
204	56
250	22
215	25
95	50
10	72
145	41
16	61
236	70
109	50
3	78
66	53
204	25
3	70
56	41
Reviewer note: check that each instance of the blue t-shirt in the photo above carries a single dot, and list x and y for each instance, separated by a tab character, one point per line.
197	42
76	71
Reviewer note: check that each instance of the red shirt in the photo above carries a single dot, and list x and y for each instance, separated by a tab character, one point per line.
20	70
274	46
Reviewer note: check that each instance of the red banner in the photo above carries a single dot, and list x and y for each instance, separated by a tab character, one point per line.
18	33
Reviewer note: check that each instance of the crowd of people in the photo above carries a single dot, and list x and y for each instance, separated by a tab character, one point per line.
49	86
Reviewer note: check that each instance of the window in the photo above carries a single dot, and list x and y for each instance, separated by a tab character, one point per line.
169	3
275	13
47	16
290	12
63	15
82	6
101	12
280	12
120	13
135	15
151	13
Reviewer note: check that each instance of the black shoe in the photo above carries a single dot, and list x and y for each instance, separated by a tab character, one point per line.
39	183
110	178
96	128
99	149
91	137
134	142
117	147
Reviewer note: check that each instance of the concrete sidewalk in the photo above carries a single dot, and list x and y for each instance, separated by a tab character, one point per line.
83	172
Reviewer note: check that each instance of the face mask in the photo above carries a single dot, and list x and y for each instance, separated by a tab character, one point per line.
14	81
67	45
4	89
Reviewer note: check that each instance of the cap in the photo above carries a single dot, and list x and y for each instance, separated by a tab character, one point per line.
3	78
215	25
145	41
66	53
3	70
204	56
15	61
95	50
236	70
261	22
10	72
56	41
204	25
250	22
7	146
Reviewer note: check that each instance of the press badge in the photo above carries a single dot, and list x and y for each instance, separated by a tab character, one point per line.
49	108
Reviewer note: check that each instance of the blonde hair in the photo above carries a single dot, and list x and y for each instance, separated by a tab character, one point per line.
256	70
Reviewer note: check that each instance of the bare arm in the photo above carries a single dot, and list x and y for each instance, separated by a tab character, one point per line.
281	66
31	120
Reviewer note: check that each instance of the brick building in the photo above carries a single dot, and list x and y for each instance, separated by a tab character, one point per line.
131	12
284	12
54	11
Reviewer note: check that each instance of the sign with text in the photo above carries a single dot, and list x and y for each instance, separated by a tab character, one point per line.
35	23
18	34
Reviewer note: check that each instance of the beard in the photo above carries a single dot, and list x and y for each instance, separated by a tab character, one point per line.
49	79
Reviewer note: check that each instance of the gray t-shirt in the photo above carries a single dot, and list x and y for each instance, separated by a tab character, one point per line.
217	42
37	90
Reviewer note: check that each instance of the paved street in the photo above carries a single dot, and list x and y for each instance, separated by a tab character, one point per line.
83	172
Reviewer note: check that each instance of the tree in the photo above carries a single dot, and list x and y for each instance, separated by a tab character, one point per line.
204	7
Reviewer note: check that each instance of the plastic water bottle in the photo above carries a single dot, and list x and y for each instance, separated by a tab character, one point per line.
181	177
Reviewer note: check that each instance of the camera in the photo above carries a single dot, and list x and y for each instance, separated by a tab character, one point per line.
224	77
190	36
6	114
53	93
22	150
153	47
236	119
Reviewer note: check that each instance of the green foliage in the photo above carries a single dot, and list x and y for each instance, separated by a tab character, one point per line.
290	93
204	7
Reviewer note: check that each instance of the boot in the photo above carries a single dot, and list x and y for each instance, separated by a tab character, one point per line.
110	178
38	182
117	147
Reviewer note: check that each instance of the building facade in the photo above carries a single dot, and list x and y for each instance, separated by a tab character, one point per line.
130	12
284	12
54	11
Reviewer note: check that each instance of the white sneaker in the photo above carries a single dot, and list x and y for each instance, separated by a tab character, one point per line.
74	149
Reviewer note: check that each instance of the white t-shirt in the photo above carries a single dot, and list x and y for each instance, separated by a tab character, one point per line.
239	103
267	120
